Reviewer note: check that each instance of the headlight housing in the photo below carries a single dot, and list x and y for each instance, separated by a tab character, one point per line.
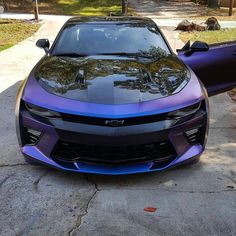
40	111
186	111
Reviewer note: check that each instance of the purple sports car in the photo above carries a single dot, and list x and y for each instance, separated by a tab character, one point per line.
110	97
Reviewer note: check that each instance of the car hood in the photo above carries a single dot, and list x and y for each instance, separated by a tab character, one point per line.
112	79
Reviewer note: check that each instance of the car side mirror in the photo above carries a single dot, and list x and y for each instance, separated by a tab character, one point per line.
197	46
44	44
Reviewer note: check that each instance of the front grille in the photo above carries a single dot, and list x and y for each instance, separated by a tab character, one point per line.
105	121
179	116
161	152
134	120
195	136
31	136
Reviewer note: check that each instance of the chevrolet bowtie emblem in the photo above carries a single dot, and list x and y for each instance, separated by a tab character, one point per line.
114	123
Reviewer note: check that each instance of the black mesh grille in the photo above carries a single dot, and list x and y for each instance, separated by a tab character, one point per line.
159	152
195	136
31	136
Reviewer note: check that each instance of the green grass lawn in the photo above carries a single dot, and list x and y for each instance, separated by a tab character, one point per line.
14	31
210	37
89	7
72	7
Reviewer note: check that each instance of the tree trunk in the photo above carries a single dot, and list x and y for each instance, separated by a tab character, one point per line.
36	10
124	7
231	6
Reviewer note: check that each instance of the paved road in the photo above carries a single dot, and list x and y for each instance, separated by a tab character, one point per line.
192	200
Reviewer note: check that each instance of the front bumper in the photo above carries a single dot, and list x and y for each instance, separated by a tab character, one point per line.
34	153
57	130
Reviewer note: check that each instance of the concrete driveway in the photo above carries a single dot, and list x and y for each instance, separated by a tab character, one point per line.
191	200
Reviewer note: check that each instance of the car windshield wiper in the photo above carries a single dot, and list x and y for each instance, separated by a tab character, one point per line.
126	54
70	55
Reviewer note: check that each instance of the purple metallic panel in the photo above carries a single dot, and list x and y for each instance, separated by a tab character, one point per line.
35	94
50	136
215	68
114	170
161	104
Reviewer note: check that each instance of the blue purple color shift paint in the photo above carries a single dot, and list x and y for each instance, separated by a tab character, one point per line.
77	112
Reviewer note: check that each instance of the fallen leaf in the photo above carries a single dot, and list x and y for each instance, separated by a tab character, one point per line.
150	209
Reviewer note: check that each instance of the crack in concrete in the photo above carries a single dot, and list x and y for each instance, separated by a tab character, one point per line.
188	191
81	216
22	164
97	189
233	173
231	178
36	182
175	191
5	179
93	182
212	127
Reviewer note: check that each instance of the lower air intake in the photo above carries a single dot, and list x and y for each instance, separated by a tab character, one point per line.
162	152
31	137
195	136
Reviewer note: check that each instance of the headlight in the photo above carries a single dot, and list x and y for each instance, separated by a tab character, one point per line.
40	111
186	111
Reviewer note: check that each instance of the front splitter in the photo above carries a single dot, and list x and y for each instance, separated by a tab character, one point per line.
32	152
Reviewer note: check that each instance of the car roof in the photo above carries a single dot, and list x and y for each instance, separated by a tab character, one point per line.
111	19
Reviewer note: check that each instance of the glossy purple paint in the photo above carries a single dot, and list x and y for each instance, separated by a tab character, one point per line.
55	130
35	94
114	170
215	68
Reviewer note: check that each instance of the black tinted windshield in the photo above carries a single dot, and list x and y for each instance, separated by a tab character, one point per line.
101	38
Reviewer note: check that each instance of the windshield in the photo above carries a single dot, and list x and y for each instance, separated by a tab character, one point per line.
126	38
